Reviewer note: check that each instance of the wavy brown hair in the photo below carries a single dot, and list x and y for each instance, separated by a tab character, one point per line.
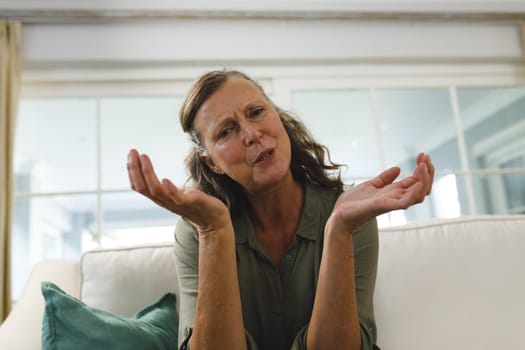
310	160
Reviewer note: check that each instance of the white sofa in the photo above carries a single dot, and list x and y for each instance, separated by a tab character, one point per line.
445	284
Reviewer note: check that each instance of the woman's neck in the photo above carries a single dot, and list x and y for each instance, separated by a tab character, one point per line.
278	208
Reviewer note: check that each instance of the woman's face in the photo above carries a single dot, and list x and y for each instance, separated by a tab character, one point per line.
244	136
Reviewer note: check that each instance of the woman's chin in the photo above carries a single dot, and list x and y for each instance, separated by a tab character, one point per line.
270	180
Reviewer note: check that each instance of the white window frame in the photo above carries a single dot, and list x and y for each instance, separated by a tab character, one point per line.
279	82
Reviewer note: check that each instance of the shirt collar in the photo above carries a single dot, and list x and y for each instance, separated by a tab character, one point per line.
309	223
242	225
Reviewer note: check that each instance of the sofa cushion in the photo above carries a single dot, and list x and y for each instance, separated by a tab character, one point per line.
452	284
124	280
70	324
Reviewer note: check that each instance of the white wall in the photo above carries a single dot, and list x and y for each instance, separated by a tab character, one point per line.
194	41
167	44
244	31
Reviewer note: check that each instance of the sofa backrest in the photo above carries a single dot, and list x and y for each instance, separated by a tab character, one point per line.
447	284
452	284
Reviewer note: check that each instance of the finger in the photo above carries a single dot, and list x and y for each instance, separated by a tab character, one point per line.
413	195
176	198
153	184
431	171
407	182
184	203
420	158
172	190
423	176
131	159
401	198
386	177
169	186
425	158
415	184
136	178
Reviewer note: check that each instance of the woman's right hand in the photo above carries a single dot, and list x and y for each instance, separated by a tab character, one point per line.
208	213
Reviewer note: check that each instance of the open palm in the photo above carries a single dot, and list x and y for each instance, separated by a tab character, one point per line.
381	195
206	212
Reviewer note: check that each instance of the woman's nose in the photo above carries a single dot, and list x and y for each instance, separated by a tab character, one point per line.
251	134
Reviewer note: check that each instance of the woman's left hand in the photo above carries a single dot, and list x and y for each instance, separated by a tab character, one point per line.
381	195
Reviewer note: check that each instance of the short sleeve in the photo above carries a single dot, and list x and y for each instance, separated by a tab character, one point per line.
186	248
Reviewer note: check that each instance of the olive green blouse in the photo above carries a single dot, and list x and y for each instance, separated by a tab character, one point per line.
277	303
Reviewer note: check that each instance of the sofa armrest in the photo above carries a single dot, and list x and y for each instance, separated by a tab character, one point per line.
23	327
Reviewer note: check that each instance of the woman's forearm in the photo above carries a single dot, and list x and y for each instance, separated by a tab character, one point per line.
335	323
218	315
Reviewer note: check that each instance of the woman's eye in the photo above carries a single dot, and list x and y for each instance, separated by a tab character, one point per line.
225	132
256	112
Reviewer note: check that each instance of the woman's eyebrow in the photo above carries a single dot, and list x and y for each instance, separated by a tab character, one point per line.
255	103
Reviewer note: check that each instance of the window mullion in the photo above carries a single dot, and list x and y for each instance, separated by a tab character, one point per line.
377	124
463	149
98	230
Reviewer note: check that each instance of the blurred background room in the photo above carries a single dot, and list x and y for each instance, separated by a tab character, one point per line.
375	81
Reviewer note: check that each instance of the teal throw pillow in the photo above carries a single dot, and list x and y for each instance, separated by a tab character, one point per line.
70	324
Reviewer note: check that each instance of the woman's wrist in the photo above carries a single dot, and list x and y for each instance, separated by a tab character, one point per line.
337	225
219	231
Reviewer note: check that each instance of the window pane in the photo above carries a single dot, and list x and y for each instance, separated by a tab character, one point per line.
130	218
448	199
414	121
465	208
514	185
55	148
50	227
151	125
494	197
494	123
342	121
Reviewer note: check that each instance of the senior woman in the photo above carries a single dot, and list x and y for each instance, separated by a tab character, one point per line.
271	253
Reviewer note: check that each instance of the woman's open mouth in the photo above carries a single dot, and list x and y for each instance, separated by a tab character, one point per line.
264	155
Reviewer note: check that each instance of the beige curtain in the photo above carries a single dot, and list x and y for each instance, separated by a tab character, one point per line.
10	61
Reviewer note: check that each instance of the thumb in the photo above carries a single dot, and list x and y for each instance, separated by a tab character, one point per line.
386	177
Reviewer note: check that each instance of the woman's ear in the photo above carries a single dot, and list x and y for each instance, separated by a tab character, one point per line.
211	164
